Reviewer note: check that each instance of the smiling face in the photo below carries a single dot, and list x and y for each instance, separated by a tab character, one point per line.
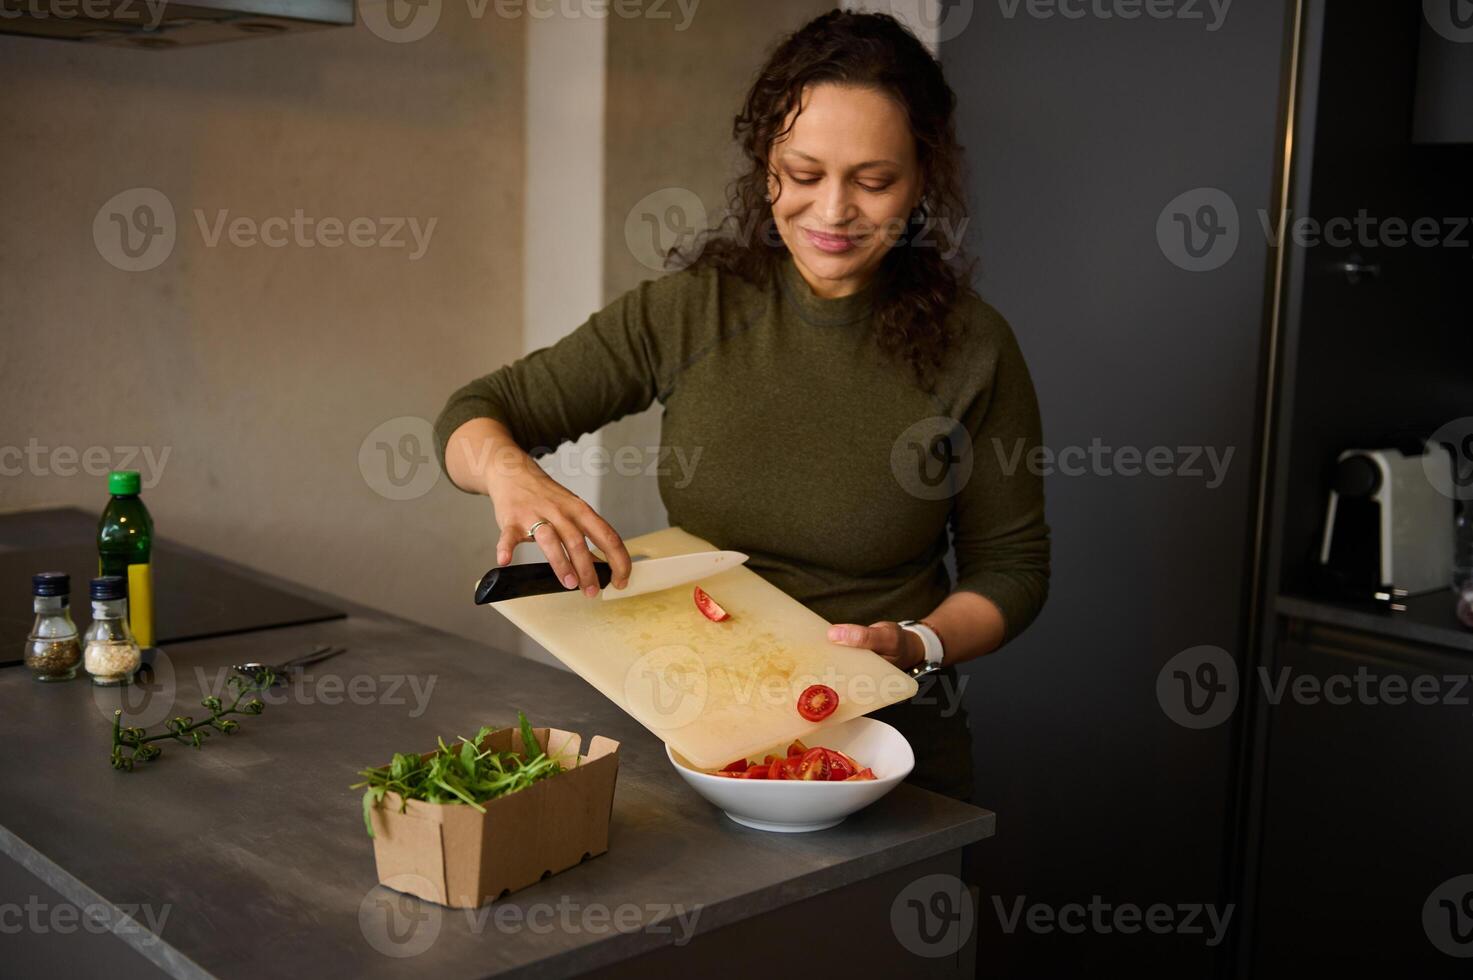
848	180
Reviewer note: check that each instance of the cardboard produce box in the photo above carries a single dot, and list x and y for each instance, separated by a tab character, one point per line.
454	855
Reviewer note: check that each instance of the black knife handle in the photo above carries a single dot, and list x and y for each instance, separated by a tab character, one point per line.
532	578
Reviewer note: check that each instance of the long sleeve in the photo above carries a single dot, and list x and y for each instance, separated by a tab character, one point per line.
617	362
997	518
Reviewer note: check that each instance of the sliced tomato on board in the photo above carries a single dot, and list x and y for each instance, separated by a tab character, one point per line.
817	702
709	607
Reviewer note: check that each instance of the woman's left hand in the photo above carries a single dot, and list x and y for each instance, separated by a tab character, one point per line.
901	647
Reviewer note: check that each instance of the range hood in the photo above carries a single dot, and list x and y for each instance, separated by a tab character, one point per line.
166	23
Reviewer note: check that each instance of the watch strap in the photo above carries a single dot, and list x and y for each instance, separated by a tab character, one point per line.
930	639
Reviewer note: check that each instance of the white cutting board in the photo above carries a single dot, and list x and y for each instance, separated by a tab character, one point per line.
714	692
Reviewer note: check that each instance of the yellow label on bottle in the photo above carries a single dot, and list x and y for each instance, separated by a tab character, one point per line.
140	603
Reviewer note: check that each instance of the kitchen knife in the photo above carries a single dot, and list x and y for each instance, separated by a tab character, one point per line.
647	575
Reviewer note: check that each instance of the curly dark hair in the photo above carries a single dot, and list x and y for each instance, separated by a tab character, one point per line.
929	265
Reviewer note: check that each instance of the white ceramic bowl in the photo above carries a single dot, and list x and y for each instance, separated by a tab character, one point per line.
794	806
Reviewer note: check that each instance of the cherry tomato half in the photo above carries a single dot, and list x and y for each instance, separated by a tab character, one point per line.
840	765
817	702
814	765
709	607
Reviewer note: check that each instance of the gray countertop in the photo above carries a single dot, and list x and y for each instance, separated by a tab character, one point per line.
254	846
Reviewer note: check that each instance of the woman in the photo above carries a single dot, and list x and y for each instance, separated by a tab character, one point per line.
850	396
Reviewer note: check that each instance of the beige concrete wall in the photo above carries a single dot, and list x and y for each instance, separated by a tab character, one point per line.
672	95
273	377
668	85
262	370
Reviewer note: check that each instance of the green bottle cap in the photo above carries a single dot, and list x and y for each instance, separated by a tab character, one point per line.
124	483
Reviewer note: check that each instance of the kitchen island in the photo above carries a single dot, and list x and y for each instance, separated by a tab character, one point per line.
248	858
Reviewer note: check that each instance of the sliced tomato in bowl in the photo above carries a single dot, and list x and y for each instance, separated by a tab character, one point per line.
819	764
814	765
840	765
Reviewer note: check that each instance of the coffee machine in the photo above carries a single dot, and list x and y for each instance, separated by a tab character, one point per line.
1388	526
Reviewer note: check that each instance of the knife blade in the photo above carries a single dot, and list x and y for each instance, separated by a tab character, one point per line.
648	575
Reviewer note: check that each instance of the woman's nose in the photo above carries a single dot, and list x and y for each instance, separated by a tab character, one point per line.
836	205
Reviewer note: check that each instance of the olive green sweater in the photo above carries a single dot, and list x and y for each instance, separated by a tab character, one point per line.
805	446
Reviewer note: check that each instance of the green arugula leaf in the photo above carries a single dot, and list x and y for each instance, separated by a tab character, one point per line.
530	748
463	773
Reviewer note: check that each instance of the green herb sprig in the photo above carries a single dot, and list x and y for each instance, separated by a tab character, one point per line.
457	773
183	728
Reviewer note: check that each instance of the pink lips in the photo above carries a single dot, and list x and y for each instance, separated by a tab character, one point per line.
832	244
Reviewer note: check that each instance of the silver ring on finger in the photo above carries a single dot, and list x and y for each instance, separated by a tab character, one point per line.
532	531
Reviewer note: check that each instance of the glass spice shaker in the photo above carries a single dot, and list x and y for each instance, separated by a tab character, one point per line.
111	655
53	649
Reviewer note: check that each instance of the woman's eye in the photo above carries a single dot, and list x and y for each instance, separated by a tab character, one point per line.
872	188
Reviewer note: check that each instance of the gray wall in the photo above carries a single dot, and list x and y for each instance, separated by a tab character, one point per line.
671	100
1080	132
260	371
263	370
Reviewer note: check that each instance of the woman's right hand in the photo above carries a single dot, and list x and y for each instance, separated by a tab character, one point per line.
522	495
482	457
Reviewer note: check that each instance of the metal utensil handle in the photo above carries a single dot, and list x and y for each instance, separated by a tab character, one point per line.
306	658
317	658
532	578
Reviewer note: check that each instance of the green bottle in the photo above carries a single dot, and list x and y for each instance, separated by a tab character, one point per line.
124	547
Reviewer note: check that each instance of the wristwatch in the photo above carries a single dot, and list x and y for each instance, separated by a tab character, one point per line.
935	653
